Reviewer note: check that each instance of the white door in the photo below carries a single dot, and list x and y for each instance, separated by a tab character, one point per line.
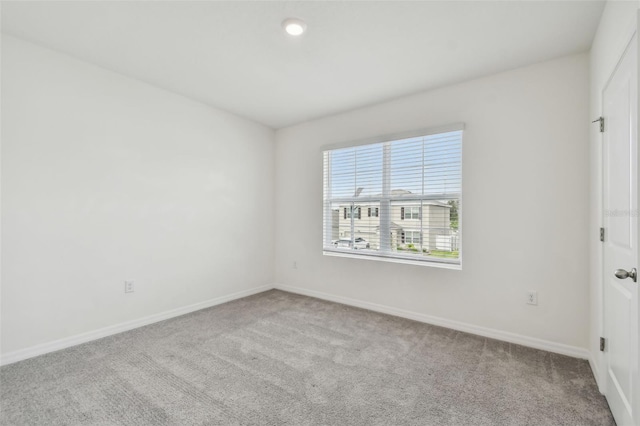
620	167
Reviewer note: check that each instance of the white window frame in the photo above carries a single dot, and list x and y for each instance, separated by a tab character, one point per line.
385	201
412	233
414	212
352	212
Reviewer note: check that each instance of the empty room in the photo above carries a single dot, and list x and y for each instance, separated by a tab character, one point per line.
319	213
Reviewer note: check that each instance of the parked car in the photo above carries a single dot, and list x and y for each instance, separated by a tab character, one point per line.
359	243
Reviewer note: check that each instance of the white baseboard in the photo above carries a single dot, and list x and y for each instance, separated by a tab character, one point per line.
66	342
532	342
506	336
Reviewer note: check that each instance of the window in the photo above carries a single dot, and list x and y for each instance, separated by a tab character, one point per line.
396	199
350	212
411	212
413	237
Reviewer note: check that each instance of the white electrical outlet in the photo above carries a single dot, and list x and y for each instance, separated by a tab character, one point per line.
128	287
532	297
295	265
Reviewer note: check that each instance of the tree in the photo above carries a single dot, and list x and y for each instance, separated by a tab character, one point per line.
453	214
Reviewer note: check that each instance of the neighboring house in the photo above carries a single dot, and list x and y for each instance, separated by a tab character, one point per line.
425	224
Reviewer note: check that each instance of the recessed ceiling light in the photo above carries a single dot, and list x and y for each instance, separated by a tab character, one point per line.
294	27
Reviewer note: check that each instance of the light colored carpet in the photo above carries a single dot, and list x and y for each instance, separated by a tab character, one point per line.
277	358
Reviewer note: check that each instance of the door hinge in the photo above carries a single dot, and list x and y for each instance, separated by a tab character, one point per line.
602	344
601	120
602	234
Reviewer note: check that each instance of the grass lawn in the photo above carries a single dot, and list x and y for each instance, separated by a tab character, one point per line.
446	254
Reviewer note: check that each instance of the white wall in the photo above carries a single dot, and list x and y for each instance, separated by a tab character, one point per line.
615	30
106	179
525	205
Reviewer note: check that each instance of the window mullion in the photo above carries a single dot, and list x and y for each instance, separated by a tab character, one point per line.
385	204
355	194
328	216
353	225
421	209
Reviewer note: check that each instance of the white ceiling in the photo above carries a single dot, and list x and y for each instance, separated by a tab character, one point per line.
235	56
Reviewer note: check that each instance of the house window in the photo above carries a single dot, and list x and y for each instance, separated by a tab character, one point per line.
412	237
354	212
411	212
395	199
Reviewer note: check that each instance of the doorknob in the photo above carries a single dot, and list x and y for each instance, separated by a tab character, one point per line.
622	274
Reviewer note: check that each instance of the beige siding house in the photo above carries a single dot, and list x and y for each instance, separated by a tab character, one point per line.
414	224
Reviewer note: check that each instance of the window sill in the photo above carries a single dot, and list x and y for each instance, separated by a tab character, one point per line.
441	263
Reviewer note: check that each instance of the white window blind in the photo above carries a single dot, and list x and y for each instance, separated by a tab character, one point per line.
409	190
